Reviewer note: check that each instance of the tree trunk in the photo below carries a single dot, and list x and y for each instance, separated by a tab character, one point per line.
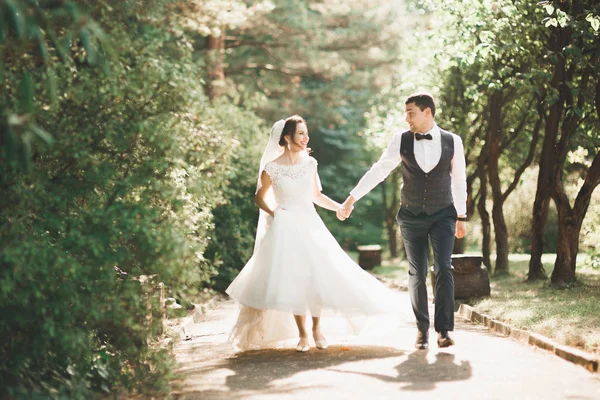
486	238
540	217
567	247
495	142
570	218
570	221
501	236
541	203
215	61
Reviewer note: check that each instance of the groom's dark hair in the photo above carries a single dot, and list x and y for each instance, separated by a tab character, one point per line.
423	101
289	128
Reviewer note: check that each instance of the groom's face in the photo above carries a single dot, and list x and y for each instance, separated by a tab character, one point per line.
417	120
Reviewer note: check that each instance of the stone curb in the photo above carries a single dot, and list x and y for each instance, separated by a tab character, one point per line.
587	360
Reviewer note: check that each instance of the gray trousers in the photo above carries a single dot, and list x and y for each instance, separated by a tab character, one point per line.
417	231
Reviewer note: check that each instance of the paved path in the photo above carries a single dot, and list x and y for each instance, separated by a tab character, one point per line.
480	366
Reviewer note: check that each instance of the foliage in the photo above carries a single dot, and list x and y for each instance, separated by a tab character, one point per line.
519	218
324	61
114	159
134	162
232	240
493	85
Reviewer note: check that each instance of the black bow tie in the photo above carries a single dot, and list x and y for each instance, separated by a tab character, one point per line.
421	136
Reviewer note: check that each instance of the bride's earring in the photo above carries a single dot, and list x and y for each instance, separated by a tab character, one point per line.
289	146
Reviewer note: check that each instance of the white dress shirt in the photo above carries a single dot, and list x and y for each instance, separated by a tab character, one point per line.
427	154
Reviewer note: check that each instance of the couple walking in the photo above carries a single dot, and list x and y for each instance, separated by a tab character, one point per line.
298	267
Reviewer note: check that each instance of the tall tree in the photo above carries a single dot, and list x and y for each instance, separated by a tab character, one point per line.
498	99
571	120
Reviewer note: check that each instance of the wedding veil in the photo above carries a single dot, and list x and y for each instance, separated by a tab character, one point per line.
271	152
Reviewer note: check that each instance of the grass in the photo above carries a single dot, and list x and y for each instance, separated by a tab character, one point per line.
570	316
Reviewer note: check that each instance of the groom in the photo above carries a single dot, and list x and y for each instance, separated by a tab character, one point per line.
433	208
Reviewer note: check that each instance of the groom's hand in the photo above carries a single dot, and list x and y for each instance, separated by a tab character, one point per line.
346	209
461	229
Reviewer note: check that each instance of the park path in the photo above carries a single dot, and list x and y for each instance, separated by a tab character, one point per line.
480	366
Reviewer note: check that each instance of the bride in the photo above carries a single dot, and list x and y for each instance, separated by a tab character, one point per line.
297	266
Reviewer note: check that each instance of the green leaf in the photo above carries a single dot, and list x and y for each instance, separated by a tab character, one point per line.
41	44
60	46
563	18
41	134
52	87
25	150
549	9
594	21
11	144
90	49
26	98
16	19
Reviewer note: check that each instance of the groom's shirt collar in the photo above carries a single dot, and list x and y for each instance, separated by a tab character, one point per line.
434	131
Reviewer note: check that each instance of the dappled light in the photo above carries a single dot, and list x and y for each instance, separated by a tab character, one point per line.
130	141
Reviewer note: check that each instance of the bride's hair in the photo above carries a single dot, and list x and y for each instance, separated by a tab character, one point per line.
289	128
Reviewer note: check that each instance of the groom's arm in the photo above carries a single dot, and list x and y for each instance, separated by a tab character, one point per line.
389	160
459	185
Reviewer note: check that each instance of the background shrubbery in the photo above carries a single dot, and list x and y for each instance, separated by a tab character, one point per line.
138	161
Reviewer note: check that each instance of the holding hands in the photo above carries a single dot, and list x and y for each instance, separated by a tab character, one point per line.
346	208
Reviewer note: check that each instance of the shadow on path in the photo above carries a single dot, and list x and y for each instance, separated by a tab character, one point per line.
420	375
255	371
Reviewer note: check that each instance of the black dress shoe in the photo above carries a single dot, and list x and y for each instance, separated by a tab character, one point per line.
422	342
444	340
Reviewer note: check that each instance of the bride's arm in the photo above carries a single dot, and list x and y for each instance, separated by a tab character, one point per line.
323	201
259	199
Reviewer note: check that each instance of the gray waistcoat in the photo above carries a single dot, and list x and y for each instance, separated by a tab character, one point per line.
426	192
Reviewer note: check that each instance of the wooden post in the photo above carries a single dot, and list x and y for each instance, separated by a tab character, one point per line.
470	277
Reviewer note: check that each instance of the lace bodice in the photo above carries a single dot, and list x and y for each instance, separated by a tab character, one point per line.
293	185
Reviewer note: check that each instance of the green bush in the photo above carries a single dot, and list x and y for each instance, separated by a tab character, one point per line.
519	215
232	240
139	160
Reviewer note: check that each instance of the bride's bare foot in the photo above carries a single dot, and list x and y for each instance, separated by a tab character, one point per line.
320	341
302	344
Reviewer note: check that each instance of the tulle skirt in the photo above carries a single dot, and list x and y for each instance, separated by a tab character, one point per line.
299	268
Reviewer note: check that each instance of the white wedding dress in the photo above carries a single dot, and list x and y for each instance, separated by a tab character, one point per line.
299	268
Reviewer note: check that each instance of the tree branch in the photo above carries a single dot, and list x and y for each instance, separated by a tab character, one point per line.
527	161
592	180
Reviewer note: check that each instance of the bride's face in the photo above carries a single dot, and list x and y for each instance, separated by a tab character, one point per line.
300	139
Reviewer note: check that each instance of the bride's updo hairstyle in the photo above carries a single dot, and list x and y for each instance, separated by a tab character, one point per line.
289	128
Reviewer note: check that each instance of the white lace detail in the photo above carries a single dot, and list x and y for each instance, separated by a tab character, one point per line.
295	171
